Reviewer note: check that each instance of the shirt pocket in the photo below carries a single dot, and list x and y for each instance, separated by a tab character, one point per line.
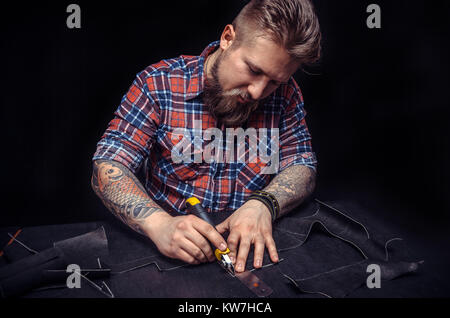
176	158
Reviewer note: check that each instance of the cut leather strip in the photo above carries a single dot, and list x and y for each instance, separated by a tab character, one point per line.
162	266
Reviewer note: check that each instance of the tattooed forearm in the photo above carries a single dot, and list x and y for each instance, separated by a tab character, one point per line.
122	193
292	186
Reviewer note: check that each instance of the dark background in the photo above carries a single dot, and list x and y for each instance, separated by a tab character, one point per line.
377	103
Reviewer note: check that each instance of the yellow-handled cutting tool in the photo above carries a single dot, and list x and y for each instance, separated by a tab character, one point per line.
194	206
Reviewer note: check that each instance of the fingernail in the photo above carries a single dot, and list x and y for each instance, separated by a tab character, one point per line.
258	263
239	267
222	247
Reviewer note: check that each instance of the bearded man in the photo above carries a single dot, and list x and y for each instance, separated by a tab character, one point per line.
244	80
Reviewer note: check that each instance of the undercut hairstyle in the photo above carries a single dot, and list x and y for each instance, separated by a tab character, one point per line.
291	24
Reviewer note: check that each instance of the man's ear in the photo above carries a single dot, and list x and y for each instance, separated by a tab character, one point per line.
227	37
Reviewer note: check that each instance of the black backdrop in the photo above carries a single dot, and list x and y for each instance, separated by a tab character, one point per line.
377	103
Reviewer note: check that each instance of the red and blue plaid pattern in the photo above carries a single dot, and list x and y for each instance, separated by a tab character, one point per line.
168	95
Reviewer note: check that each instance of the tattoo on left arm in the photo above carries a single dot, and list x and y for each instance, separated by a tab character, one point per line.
292	186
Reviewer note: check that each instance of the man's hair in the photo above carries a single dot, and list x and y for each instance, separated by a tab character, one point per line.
292	24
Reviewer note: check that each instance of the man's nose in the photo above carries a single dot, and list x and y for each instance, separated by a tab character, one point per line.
256	89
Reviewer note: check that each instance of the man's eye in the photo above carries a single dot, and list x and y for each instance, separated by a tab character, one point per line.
253	71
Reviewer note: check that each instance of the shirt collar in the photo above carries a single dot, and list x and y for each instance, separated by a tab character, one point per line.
196	82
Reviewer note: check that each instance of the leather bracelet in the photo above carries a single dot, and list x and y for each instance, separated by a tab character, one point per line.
269	200
273	201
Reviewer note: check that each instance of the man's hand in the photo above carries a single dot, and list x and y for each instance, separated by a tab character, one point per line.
184	237
250	224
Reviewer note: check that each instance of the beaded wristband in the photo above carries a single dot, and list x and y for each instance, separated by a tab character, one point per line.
269	200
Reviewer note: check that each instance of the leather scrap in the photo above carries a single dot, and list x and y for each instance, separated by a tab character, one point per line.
49	266
339	282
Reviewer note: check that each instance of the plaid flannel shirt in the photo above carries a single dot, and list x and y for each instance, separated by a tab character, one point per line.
167	96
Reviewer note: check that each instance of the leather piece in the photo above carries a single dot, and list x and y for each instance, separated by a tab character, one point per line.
341	280
42	237
84	249
49	265
28	273
313	244
342	241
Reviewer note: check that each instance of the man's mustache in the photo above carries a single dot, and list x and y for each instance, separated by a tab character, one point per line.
239	92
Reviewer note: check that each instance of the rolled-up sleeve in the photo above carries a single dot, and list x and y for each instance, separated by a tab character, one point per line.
295	139
131	133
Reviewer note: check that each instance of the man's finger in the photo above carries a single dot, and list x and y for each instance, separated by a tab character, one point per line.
193	250
186	257
222	227
259	252
201	242
233	241
208	231
272	248
244	248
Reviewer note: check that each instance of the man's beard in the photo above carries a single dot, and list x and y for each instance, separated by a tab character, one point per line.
224	105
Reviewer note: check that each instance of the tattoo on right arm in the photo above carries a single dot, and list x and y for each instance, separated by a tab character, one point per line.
122	193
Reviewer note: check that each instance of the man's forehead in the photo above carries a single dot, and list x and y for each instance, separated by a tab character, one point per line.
270	58
270	71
